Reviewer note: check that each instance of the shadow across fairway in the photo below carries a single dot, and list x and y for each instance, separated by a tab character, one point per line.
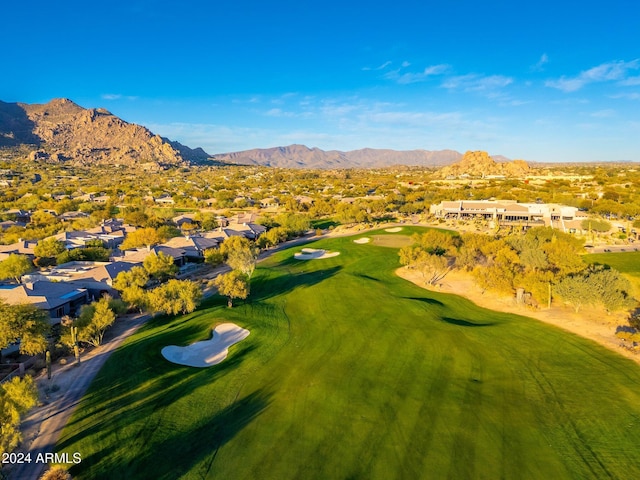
430	301
366	277
465	323
181	451
287	282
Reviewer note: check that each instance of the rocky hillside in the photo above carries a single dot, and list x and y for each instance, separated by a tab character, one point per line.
300	156
63	131
480	164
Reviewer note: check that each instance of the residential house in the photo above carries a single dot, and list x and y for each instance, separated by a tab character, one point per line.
193	246
21	247
96	277
57	299
139	254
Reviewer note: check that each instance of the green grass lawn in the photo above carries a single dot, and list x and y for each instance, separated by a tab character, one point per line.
353	373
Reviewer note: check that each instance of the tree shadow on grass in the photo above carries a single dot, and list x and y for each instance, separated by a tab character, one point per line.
465	323
287	282
366	277
180	452
430	301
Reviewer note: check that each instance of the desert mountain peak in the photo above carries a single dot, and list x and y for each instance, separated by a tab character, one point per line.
62	130
480	164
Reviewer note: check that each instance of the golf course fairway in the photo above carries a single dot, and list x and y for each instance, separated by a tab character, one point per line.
353	373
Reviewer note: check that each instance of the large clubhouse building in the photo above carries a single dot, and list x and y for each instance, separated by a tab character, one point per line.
512	212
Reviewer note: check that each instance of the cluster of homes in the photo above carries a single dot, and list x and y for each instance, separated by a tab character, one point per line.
63	289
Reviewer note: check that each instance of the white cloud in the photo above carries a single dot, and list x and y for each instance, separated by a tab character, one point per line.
117	96
630	82
539	65
606	113
414	77
606	72
476	83
379	67
279	113
627	96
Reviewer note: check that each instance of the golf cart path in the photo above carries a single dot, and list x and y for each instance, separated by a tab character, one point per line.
43	425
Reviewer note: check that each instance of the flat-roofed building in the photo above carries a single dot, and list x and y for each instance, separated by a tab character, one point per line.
510	211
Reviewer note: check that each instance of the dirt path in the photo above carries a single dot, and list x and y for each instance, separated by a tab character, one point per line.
594	324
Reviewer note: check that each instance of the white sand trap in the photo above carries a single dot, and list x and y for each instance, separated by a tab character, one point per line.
362	240
314	254
208	352
393	230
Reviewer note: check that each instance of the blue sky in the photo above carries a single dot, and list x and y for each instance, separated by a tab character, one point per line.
541	81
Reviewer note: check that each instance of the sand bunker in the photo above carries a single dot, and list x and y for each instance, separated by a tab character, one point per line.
362	240
314	254
393	229
209	352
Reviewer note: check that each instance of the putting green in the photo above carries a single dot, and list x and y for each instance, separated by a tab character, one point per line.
352	372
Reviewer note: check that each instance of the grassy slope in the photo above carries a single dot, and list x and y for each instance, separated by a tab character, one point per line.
351	372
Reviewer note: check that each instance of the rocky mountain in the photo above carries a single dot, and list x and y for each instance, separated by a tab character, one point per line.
300	156
480	164
63	131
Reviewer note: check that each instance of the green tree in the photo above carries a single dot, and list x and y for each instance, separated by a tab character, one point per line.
610	288
433	268
142	237
234	284
576	291
436	242
15	266
49	248
94	320
136	276
175	296
160	266
88	254
25	323
17	397
207	220
131	285
240	254
213	257
272	237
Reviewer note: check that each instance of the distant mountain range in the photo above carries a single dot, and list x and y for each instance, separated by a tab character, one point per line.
300	156
61	131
